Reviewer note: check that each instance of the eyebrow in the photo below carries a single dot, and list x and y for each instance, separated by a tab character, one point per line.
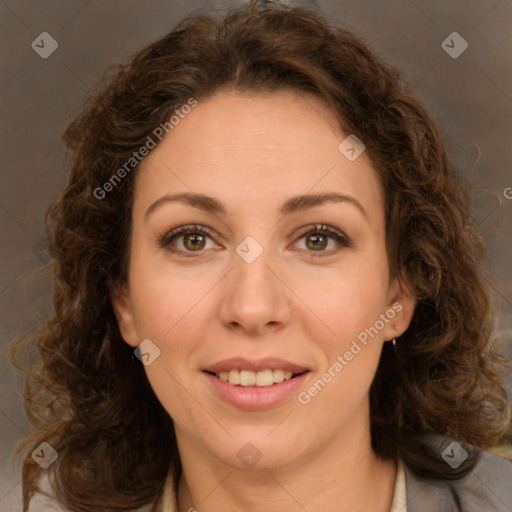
292	205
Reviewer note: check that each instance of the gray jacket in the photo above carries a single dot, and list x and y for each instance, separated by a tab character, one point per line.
487	488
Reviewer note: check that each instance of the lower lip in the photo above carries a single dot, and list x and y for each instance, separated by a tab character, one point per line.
256	398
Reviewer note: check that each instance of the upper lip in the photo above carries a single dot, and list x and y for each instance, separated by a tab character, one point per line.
240	363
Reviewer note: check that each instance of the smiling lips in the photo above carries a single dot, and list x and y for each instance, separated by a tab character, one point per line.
262	378
263	373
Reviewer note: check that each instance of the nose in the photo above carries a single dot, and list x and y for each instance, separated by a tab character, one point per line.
255	298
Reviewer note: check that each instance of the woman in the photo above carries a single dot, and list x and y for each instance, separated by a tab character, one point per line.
268	289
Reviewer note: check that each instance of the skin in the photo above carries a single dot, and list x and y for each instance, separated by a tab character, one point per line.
252	152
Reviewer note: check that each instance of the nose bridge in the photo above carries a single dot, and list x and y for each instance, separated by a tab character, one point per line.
251	273
253	296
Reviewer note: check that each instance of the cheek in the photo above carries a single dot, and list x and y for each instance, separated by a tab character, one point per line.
349	304
349	347
347	300
166	297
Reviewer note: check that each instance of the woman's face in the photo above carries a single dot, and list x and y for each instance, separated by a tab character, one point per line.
256	294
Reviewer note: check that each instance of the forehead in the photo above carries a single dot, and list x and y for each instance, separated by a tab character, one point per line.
256	145
229	123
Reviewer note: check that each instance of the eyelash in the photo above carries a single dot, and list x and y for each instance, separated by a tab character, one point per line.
316	229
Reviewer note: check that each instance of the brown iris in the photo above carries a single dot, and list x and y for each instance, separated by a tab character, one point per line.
194	241
317	241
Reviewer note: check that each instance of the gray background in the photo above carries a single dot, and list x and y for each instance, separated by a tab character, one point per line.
470	97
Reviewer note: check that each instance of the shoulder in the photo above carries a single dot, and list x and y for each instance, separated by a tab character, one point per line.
487	487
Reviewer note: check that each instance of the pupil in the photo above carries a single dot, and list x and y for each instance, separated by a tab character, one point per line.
195	241
318	241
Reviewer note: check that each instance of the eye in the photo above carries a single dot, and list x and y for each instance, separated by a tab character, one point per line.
319	237
193	239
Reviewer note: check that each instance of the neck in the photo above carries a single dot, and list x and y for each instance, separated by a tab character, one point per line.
344	478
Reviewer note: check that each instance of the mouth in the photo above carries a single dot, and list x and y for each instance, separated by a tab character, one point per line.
260	379
256	385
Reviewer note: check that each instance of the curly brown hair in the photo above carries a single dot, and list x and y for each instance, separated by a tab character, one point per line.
97	409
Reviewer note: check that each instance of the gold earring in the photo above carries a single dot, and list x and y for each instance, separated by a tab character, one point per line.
394	343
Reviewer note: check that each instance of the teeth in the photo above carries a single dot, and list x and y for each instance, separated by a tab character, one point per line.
234	377
264	378
278	376
247	378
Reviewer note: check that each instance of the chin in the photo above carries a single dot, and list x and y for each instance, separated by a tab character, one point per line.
256	450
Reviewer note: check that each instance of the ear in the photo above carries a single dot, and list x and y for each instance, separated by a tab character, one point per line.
122	306
403	305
